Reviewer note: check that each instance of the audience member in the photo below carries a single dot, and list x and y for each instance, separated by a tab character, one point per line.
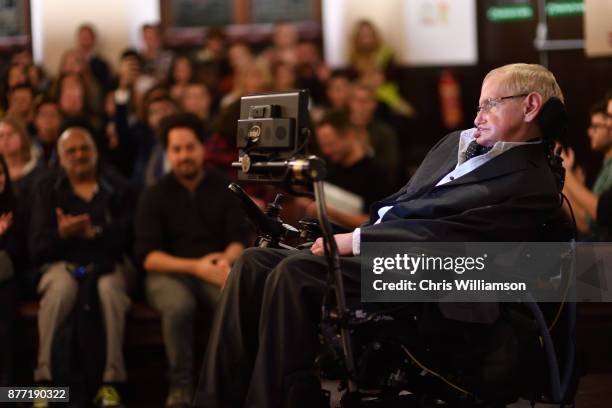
21	155
211	60
21	103
585	201
157	60
8	297
79	235
198	100
367	49
373	61
240	58
180	74
337	91
23	58
379	137
47	122
72	96
189	229
139	153
16	75
86	44
604	204
73	63
38	79
312	71
347	196
285	39
284	77
23	171
221	148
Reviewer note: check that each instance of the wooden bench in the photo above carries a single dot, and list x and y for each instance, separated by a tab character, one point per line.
142	325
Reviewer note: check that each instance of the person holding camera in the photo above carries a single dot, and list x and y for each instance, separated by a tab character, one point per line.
189	230
79	235
489	183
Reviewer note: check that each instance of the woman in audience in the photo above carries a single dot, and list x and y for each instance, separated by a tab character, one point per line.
240	58
71	94
20	154
367	50
284	75
373	61
181	73
73	63
38	79
337	91
15	75
23	170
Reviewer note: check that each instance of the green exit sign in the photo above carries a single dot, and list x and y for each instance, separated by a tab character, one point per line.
498	14
564	8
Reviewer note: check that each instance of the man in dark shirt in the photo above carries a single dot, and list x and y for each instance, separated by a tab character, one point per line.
380	138
189	230
349	170
81	221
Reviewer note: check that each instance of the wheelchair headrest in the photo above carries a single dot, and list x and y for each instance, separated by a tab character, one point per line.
553	120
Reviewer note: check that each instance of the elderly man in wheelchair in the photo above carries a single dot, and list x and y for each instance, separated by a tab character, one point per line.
497	182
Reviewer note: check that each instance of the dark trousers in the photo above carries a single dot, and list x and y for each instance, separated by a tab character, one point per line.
8	312
264	337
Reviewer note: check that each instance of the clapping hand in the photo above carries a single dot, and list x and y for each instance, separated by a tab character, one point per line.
6	220
74	226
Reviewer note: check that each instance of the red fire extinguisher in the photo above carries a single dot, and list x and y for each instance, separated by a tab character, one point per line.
450	100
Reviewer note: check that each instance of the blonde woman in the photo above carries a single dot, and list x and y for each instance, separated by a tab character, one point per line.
20	153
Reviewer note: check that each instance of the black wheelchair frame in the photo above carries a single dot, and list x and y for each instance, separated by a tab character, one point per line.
340	325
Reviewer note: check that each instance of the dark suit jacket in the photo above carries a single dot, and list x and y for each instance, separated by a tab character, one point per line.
509	198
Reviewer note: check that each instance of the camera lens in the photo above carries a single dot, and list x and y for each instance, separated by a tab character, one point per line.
254	133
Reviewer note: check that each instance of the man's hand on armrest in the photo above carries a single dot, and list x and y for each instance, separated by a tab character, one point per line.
343	241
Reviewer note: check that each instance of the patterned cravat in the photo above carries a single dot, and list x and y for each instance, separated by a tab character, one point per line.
474	149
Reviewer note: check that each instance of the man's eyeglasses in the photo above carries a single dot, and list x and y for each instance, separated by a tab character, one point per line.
596	126
489	104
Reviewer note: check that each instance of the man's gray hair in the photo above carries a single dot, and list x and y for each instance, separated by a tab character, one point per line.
525	78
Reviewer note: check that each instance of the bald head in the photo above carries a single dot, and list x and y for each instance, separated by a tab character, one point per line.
77	153
74	132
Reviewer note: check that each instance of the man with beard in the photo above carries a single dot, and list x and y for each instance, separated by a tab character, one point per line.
189	230
592	206
80	230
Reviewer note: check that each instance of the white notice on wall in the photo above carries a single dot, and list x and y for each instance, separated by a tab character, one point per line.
598	28
440	32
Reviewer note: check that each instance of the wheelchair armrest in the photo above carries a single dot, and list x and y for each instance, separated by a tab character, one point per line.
312	226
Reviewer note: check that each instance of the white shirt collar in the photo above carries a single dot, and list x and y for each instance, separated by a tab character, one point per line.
467	136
